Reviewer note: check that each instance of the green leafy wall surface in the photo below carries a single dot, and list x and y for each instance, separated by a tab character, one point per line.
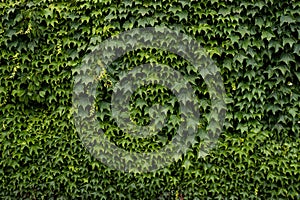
255	44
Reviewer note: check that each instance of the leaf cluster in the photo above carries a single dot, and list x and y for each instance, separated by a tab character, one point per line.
255	44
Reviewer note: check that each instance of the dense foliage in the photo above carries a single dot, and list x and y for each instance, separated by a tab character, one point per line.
255	44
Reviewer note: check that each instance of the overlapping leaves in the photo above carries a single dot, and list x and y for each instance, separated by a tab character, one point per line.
254	43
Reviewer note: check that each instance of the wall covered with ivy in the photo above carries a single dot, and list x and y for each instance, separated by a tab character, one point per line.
255	44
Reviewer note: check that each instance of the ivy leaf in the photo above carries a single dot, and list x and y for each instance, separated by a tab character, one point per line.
140	103
175	9
2	90
286	19
293	112
275	44
224	11
298	75
289	41
42	93
267	35
143	11
259	22
183	15
259	4
11	32
48	13
243	31
287	58
297	49
187	164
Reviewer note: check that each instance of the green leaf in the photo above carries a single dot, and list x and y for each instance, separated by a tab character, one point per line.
297	49
259	22
187	164
42	93
183	15
2	90
48	13
224	11
275	44
140	103
293	111
286	19
287	58
267	35
259	4
298	75
289	41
